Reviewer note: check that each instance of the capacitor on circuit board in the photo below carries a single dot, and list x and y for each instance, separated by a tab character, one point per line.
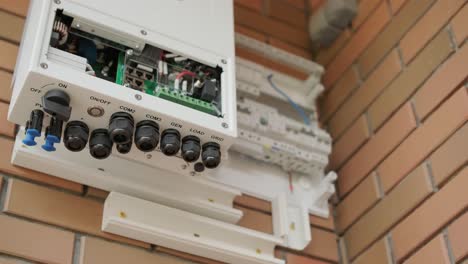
176	84
184	86
160	67
165	68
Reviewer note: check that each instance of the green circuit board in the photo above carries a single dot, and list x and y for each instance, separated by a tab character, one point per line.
166	91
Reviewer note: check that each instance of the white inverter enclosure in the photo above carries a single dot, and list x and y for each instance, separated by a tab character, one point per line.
42	68
139	98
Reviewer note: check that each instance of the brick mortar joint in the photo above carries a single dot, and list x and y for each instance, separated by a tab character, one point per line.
391	251
448	245
3	192
400	57
76	249
78	245
9	40
84	192
38	222
414	111
353	90
15	259
8	176
11	13
380	187
453	38
428	165
383	158
369	105
341	255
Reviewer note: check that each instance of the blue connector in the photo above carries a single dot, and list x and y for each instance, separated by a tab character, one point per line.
50	140
30	138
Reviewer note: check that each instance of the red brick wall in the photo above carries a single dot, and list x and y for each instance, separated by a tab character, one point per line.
396	104
50	220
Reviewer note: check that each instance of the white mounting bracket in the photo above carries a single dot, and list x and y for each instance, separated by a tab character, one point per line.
157	224
250	177
291	222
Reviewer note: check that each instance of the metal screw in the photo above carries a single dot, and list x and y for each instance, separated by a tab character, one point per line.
138	97
143	32
78	25
192	173
149	156
57	2
225	125
224	61
292	226
44	66
122	214
129	52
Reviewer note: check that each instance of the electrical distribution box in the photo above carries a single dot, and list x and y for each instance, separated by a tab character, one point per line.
129	79
139	98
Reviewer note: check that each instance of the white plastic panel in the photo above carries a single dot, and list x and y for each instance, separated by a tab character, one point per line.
206	24
194	194
280	55
202	236
291	222
267	182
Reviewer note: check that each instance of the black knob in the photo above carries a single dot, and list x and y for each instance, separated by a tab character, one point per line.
147	135
121	128
100	144
191	148
170	142
124	148
57	103
76	136
211	155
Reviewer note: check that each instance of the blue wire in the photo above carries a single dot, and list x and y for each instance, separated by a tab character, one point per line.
296	107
